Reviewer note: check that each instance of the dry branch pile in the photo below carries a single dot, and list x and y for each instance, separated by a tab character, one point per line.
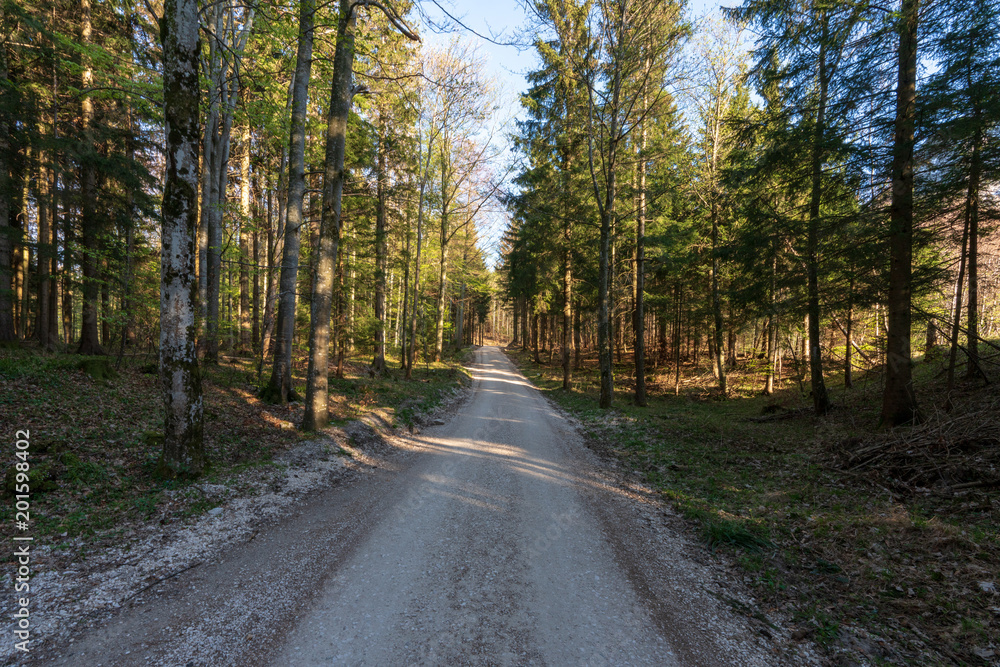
943	454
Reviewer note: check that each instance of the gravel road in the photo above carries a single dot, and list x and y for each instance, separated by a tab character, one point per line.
496	538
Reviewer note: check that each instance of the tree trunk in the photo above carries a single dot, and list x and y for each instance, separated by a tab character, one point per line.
443	267
42	322
899	404
183	449
567	312
381	257
90	224
772	324
126	300
353	283
255	307
516	321
661	337
219	178
577	338
279	389
105	310
972	311
678	294
270	286
525	343
67	281
848	348
821	401
639	317
53	263
214	19
416	268
717	349
316	414
534	337
245	339
956	316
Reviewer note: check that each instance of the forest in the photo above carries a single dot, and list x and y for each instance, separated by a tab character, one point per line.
819	198
787	207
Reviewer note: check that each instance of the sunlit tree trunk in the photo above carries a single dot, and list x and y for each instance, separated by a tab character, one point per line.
317	413
244	232
279	388
381	257
416	268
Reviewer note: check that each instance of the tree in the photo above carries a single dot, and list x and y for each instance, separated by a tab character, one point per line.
720	100
89	338
635	37
899	403
183	449
341	93
229	28
960	108
803	50
279	389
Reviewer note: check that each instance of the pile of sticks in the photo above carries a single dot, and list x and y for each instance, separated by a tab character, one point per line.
943	454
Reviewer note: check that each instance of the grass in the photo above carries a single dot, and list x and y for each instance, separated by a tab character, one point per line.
95	441
832	549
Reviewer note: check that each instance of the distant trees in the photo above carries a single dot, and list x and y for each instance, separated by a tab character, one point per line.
800	228
590	106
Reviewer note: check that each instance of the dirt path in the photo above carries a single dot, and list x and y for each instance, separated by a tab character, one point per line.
497	540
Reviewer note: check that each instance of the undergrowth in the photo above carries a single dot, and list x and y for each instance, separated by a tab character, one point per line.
95	441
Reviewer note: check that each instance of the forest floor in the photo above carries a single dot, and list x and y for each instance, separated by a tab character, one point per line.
882	546
95	441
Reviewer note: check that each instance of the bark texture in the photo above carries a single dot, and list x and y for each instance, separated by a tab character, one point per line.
183	449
